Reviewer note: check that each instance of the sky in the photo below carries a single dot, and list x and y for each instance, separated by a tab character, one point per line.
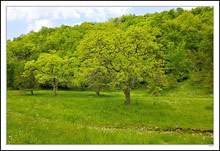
21	20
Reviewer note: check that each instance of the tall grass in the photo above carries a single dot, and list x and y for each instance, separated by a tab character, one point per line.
78	117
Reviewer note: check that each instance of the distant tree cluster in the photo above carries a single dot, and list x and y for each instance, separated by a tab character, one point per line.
154	50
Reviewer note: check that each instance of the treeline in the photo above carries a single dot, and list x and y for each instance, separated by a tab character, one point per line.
154	50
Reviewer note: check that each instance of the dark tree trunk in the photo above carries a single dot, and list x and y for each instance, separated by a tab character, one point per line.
32	93
97	93
54	86
127	95
54	90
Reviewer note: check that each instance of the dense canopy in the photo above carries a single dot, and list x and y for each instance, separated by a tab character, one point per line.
154	50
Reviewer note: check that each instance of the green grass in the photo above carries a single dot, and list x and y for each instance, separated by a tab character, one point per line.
81	117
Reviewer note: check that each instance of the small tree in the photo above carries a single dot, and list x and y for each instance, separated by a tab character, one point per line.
95	78
29	81
50	70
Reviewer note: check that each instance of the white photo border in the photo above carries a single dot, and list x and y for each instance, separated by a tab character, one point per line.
215	4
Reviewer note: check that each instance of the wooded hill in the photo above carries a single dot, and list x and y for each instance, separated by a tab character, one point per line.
154	50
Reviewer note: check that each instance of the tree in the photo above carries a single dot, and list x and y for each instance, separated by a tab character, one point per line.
178	63
49	70
96	78
112	49
202	58
29	81
129	57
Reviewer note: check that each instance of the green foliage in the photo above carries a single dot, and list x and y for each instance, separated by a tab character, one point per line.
18	79
29	81
95	78
128	57
125	49
202	58
177	62
49	67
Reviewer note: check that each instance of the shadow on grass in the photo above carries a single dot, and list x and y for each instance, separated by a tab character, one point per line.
62	93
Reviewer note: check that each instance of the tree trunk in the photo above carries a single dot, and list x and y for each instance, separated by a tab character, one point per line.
127	95
32	93
54	86
97	93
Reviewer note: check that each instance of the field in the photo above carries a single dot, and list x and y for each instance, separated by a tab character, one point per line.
180	116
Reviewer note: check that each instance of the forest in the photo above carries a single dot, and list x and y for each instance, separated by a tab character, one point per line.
156	50
154	53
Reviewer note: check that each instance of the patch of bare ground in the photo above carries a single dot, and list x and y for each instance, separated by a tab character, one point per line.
171	130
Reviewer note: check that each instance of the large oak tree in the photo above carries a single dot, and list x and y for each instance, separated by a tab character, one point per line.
129	57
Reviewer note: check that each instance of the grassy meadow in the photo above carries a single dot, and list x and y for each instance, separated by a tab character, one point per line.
183	115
